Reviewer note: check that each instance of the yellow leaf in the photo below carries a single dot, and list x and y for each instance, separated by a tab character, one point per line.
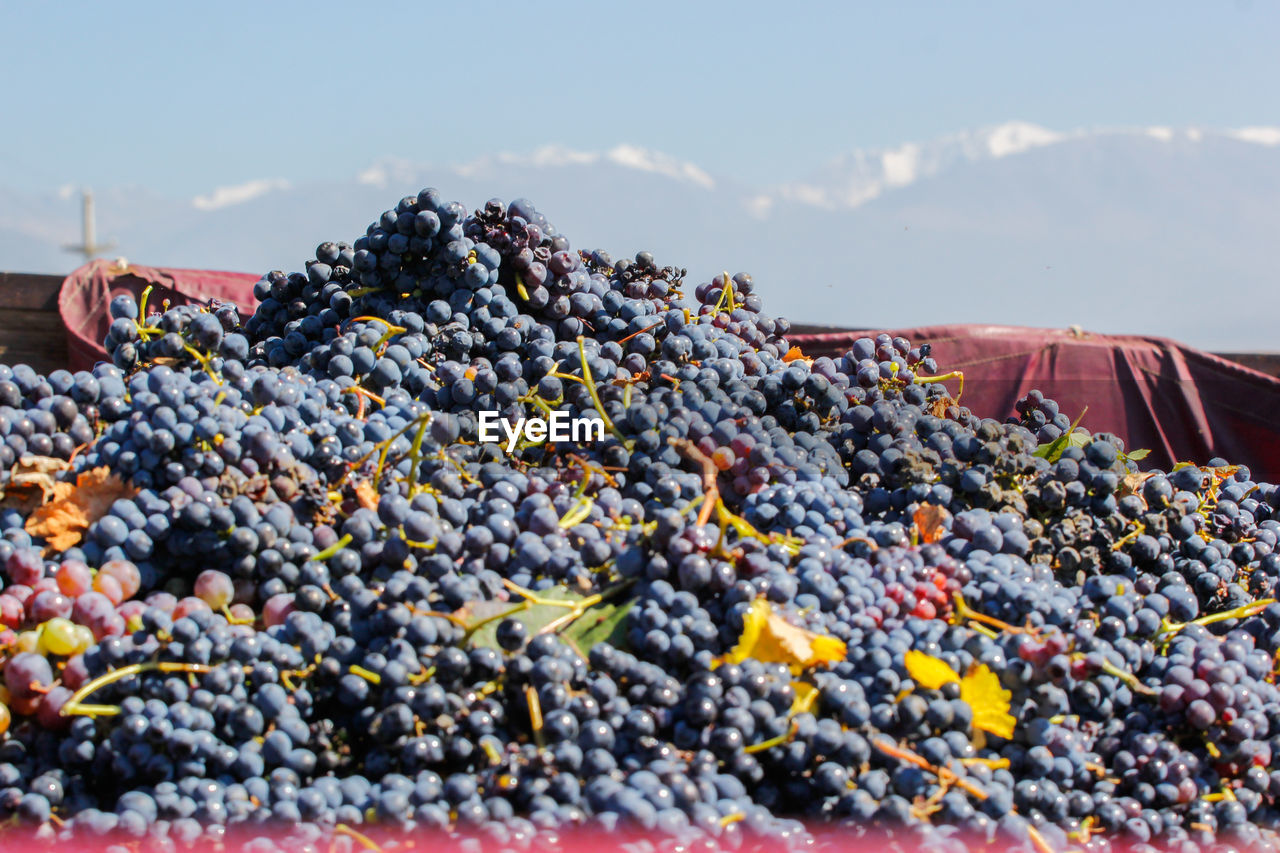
928	671
980	689
768	637
806	697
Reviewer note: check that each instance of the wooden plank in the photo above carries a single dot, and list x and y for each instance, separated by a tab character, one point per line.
1263	362
36	338
29	291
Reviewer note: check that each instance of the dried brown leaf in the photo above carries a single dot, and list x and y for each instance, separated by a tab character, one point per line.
794	354
938	408
32	482
931	522
1132	482
366	495
65	518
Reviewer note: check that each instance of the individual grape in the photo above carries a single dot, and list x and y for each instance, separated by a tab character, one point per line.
109	586
123	306
25	673
187	606
276	608
48	604
125	573
214	588
12	612
74	578
24	566
60	637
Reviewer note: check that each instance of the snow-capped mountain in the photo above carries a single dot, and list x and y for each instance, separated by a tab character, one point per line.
1156	230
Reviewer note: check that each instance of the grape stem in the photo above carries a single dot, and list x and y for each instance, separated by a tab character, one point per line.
779	740
333	549
955	374
964	612
367	675
725	301
203	360
579	512
712	502
640	332
75	705
364	840
948	777
1168	629
710	486
1138	529
1127	677
590	382
535	713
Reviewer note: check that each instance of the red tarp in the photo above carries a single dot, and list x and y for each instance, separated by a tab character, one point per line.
87	293
1181	403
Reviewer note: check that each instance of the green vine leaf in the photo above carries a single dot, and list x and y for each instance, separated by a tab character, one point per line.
483	617
604	623
1052	450
582	620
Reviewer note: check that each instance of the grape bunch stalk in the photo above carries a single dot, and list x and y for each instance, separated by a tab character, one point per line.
265	586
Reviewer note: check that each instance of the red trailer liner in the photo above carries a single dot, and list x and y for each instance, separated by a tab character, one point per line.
87	293
1181	403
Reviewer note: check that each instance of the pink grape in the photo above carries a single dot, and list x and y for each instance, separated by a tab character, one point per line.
130	609
25	566
162	601
45	585
47	605
24	705
243	612
188	605
90	607
11	611
109	586
75	672
214	589
74	578
126	573
49	711
21	592
111	625
25	671
276	608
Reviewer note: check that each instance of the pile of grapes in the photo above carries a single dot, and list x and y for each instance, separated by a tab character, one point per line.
264	584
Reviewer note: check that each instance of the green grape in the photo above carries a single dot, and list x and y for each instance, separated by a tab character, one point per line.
59	636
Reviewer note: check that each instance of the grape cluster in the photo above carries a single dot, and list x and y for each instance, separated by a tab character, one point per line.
265	585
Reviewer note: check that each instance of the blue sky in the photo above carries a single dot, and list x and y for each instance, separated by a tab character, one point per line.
182	97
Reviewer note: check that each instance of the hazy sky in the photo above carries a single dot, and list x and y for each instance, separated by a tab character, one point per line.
182	97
